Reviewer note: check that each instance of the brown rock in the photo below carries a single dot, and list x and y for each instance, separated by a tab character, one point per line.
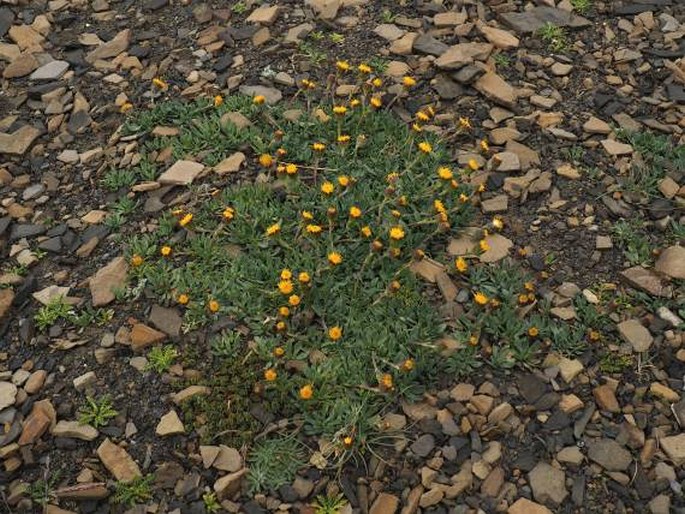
25	37
106	280
672	262
34	427
633	332
35	381
674	447
525	506
20	66
143	336
498	37
616	148
606	399
111	48
87	491
265	15
646	280
189	392
118	462
6	299
227	486
182	173
385	504
462	54
19	141
495	88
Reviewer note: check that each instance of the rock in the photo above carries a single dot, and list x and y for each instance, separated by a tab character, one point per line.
596	126
569	369
646	280
462	54
35	381
230	164
499	203
143	336
498	37
209	455
271	95
19	141
525	506
610	455
34	427
661	391
118	462
385	504
449	19
606	399
265	15
84	381
674	447
669	187
228	459
389	31
21	65
168	320
107	280
671	262
170	424
536	18
25	37
8	394
74	430
189	392
6	299
431	497
495	88
548	484
560	69
499	247
637	335
50	71
423	445
568	171
427	44
111	48
229	485
325	9
570	403
303	487
616	148
181	173
660	504
83	491
603	243
506	162
571	455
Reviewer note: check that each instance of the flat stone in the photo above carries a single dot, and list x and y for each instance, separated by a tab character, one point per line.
536	18
606	399
663	392
498	37
674	447
449	19
633	332
230	164
265	15
118	462
25	37
50	71
427	44
548	484
35	381
21	65
170	424
610	455
189	392
168	320
107	280
325	9
462	54
499	203
423	445
389	31
181	173
34	427
6	300
271	95
561	69
569	369
19	141
571	455
671	262
143	336
8	394
568	171
495	88
227	486
505	162
385	504
525	506
596	126
74	430
646	280
616	148
111	48
228	459
499	247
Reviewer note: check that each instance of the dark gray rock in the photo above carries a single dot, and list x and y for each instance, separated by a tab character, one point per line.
423	445
536	18
426	44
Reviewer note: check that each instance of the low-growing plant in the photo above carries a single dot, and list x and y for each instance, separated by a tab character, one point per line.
115	178
274	462
630	237
211	503
502	60
137	491
581	6
49	314
325	504
42	491
97	412
160	358
554	37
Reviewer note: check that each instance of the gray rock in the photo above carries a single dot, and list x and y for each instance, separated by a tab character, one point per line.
536	18
271	94
634	333
609	454
426	44
548	484
423	445
50	71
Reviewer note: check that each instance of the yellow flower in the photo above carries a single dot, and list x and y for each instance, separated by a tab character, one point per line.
355	212
533	331
523	299
364	68
422	116
594	335
484	246
314	229
425	147
376	102
473	164
445	173
270	375
461	265
304	277
377	82
281	326
291	169
308	84
266	160
403	201
376	245
335	333
408	365
307	215
480	298
273	229
335	258
136	260
386	382
286	274
463	198
228	214
294	300
344	180
342	65
395	285
408	81
159	83
259	100
343	139
306	392
396	233
484	145
183	299
281	152
186	219
416	127
125	107
497	223
348	441
318	147
439	206
340	110
165	251
464	123
473	340
355	102
284	311
481	187
529	286
285	287
279	351
366	231
390	178
327	188
213	306
218	100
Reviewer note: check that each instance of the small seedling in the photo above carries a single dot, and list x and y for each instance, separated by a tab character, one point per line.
324	504
388	16
239	7
211	503
502	60
133	493
554	37
161	358
336	38
581	6
273	463
97	412
225	345
49	314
